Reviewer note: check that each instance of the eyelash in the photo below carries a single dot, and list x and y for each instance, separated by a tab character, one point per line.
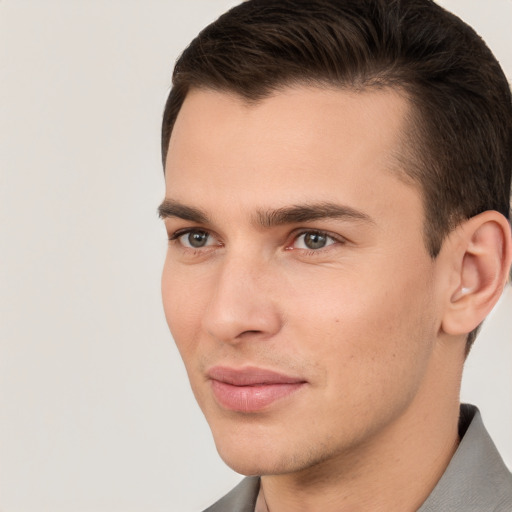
174	238
334	239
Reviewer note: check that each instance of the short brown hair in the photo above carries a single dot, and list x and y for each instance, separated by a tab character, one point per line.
460	142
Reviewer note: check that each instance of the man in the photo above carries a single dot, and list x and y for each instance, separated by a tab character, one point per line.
337	203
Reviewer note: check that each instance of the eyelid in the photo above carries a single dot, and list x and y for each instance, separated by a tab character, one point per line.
176	235
183	231
337	239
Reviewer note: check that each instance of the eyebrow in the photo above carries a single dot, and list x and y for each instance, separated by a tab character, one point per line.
171	208
270	218
310	212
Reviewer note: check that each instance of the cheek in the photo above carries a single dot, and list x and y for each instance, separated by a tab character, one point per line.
366	330
182	306
371	365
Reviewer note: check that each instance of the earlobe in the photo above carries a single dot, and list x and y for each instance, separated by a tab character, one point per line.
482	267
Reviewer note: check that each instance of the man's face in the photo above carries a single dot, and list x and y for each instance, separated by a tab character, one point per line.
297	285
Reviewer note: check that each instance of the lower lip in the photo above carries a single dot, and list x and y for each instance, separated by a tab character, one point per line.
251	398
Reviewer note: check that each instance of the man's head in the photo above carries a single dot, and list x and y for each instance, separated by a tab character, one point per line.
458	147
334	176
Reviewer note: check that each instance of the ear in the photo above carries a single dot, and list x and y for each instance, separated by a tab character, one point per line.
482	253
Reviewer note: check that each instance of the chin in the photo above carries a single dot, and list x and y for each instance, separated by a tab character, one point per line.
245	466
255	464
243	456
252	453
262	455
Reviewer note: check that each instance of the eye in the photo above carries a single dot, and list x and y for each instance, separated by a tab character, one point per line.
194	238
313	240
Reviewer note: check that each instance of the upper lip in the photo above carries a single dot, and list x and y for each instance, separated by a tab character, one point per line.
250	376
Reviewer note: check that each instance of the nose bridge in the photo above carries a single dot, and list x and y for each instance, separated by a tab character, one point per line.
241	302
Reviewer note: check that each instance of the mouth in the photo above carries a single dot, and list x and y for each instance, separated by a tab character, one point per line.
251	389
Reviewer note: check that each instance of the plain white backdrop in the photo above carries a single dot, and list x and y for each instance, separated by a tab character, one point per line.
96	414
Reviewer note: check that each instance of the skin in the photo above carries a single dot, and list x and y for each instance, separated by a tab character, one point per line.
359	320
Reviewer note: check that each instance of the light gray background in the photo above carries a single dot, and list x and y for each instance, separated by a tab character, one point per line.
95	409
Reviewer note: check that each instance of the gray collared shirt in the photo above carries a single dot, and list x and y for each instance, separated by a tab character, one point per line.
476	480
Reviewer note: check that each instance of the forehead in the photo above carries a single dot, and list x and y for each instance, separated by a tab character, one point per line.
299	144
327	108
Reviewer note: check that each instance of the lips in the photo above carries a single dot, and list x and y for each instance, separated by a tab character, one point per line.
251	389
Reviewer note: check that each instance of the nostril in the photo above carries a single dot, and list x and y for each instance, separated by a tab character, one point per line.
248	333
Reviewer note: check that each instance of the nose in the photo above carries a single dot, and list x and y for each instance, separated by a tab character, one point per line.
243	305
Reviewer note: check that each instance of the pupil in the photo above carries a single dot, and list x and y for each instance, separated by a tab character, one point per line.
315	240
197	238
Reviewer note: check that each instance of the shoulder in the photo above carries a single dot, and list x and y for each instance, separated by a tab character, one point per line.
476	479
240	499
